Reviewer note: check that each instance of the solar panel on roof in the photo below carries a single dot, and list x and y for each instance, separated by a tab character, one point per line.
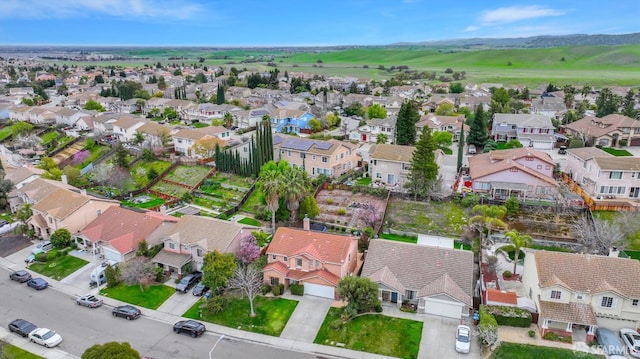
298	144
321	145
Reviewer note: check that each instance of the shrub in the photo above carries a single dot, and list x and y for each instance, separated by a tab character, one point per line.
41	257
215	304
276	290
532	333
342	212
281	286
336	324
488	327
329	201
297	289
550	336
507	274
378	308
510	316
266	289
470	200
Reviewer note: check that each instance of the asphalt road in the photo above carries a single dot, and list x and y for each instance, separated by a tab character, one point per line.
81	327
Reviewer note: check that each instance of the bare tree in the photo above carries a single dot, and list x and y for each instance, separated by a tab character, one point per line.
102	172
488	335
372	215
249	280
597	237
137	270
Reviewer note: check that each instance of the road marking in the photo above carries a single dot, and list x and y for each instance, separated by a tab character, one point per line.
214	346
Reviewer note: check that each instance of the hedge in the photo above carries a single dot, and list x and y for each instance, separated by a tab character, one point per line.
510	316
487	324
297	289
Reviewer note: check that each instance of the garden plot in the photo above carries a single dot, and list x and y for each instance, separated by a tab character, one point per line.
232	181
444	218
348	209
188	175
170	189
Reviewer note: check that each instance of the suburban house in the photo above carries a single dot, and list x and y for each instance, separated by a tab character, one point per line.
68	117
389	165
184	139
116	233
436	280
520	172
125	128
155	135
316	260
34	191
188	240
604	176
331	157
549	106
286	120
451	124
22	176
577	292
532	130
609	131
369	132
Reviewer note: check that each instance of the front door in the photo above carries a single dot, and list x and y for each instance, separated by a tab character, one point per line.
394	297
385	296
364	138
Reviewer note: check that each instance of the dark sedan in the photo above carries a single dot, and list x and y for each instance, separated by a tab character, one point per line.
22	327
37	283
200	289
126	311
20	276
191	327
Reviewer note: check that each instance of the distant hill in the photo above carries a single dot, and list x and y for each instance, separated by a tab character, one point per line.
534	41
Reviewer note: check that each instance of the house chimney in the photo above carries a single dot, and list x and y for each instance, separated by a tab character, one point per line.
614	252
64	179
306	223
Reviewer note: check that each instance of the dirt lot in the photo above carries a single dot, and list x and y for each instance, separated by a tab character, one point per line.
347	208
444	218
11	243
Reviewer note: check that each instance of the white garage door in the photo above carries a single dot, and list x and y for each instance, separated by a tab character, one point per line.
319	290
443	308
110	254
615	324
542	145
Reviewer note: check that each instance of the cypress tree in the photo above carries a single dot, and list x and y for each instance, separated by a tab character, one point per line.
424	169
405	124
478	128
460	149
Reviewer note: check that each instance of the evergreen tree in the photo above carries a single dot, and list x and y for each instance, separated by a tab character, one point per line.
220	95
424	170
460	149
406	124
478	129
500	102
607	103
628	104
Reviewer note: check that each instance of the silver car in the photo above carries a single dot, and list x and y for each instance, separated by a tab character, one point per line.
90	301
463	339
631	339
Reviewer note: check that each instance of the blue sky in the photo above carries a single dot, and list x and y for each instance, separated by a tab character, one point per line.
300	22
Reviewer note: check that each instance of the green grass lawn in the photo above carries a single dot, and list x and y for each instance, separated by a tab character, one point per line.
153	202
525	351
58	268
272	314
152	296
411	239
49	136
447	151
139	171
6	132
170	189
189	175
255	203
250	221
446	218
13	352
363	181
617	152
373	333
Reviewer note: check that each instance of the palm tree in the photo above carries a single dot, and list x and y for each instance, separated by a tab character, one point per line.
22	215
489	218
519	241
296	187
228	120
270	184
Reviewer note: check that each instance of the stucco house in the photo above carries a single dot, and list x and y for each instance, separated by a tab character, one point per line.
451	124
609	131
125	128
437	280
532	130
578	292
184	139
155	135
316	260
331	157
372	128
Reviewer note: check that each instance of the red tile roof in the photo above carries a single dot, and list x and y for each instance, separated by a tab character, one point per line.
320	273
499	296
278	266
322	246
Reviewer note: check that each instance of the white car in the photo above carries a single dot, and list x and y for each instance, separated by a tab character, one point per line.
463	339
631	339
46	337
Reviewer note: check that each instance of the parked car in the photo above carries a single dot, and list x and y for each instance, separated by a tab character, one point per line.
200	289
42	247
562	150
610	343
631	339
90	301
3	222
37	283
20	276
472	149
46	337
22	327
463	339
126	311
191	327
30	259
188	281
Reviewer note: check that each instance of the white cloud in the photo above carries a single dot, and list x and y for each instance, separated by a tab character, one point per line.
126	9
510	14
471	28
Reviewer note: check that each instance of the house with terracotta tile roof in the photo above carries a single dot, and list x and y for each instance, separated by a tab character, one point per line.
518	172
316	260
579	292
116	233
613	130
436	280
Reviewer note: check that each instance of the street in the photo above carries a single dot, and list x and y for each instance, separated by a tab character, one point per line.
81	327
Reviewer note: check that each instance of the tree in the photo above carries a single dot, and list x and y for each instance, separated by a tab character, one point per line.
111	350
460	149
360	293
500	102
446	109
295	187
23	214
120	158
248	279
456	87
206	146
628	105
93	105
607	103
21	128
519	241
478	128
355	109
228	120
406	123
381	138
372	215
309	207
513	143
376	111
599	236
424	169
487	218
270	183
137	271
443	139
512	205
315	125
248	250
217	268
61	238
73	175
138	138
220	95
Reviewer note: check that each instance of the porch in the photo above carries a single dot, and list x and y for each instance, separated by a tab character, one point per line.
574	320
171	262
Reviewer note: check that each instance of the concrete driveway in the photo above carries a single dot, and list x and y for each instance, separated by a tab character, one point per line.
306	319
439	338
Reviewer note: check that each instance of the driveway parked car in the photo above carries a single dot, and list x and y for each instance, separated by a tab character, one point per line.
22	327
188	281
37	283
472	149
191	327
463	339
610	343
631	339
200	289
46	337
20	276
45	247
90	301
126	311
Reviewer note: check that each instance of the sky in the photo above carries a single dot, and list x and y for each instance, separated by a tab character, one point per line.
238	23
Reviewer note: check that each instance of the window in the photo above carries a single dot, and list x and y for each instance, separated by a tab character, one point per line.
301	155
615	175
613	189
579	296
607	302
313	157
199	252
529	158
540	167
299	262
410	294
547	167
286	259
342	155
310	264
378	175
325	159
317	264
288	153
172	246
556	294
634	302
275	281
273	256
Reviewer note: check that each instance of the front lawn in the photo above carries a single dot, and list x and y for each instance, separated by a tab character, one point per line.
373	333
363	181
13	352
272	314
59	267
617	152
526	351
152	296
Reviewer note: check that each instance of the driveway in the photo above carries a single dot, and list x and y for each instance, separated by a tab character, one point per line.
439	338
12	243
306	319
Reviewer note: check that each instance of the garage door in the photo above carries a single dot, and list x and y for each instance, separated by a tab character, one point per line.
635	141
615	324
319	290
538	145
110	254
443	308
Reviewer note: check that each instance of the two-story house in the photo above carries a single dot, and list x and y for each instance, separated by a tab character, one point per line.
609	131
518	172
532	130
331	157
369	132
155	135
126	127
452	124
316	260
184	139
581	291
390	165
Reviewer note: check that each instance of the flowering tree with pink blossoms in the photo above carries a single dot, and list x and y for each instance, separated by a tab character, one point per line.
249	250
